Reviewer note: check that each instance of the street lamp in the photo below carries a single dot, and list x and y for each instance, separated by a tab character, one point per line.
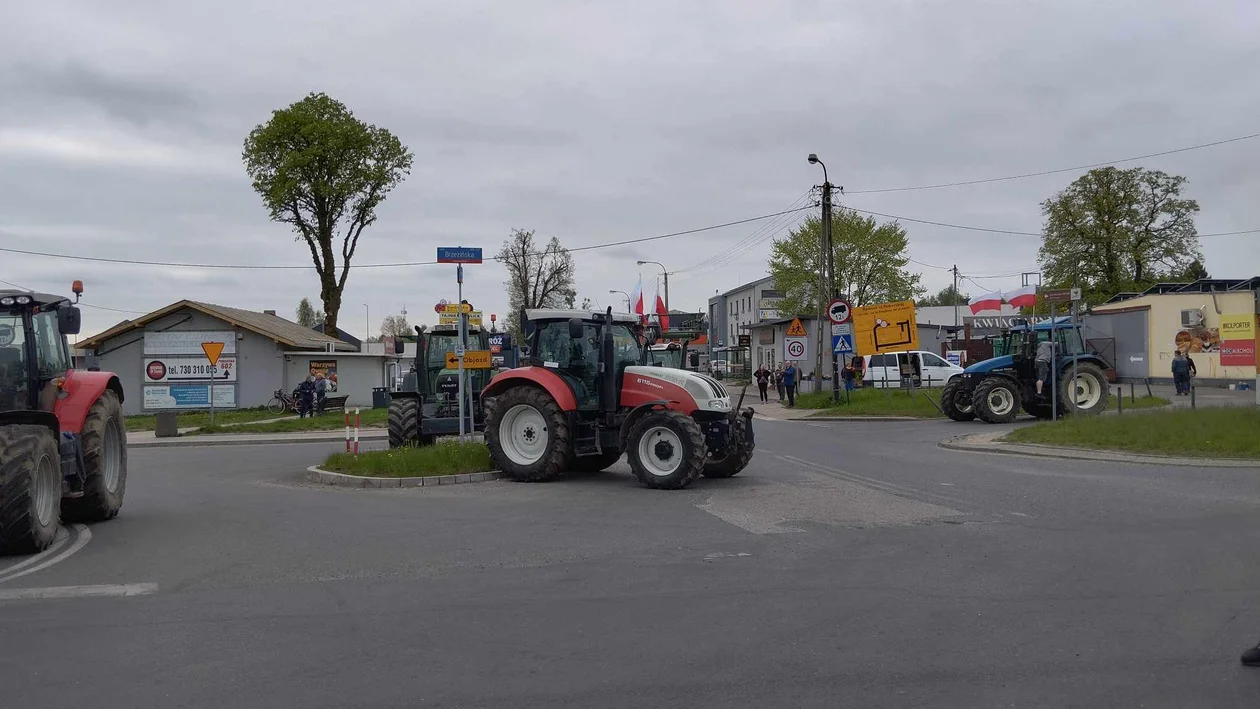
663	273
827	278
627	295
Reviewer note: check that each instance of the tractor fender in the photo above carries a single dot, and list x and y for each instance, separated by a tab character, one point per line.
533	376
32	418
637	413
79	392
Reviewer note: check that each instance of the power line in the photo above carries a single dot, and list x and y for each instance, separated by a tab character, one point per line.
1055	171
1008	231
81	304
261	267
743	245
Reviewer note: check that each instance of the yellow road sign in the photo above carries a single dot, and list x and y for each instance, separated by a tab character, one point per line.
454	308
887	327
796	329
212	350
474	319
473	359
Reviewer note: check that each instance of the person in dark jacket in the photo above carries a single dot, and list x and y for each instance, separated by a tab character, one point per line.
789	382
321	392
763	382
1181	372
306	390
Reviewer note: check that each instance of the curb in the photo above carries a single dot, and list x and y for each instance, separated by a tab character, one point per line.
209	440
986	443
875	419
316	474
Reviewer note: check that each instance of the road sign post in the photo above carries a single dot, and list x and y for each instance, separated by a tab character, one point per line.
840	313
212	351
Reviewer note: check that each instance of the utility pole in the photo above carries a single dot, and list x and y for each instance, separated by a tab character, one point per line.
824	277
955	298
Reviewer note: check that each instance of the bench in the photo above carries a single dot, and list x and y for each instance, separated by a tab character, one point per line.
335	402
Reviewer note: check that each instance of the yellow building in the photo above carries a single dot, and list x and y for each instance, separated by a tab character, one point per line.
1213	320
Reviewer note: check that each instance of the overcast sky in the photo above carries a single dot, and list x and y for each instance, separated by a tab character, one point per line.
121	127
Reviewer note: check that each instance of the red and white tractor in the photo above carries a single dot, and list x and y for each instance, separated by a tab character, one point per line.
63	440
585	395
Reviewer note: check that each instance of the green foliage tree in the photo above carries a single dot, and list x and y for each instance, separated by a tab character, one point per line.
536	278
945	296
1116	230
307	315
1195	271
870	263
324	172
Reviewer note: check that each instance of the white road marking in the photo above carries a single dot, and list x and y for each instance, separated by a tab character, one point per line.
84	535
101	591
63	536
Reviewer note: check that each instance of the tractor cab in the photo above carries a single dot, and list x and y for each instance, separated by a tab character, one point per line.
668	354
427	404
33	350
568	342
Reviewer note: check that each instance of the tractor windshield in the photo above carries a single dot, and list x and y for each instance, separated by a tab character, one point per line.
13	365
666	356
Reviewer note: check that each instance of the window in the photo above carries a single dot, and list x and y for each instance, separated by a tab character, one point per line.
931	360
12	363
50	347
877	360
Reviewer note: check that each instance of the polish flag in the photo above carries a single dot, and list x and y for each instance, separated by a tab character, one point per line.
636	300
1025	297
987	301
662	313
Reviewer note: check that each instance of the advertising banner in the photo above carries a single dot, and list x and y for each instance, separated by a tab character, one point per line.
328	368
188	396
160	370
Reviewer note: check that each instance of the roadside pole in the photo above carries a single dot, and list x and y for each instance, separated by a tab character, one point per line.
463	343
831	285
1054	366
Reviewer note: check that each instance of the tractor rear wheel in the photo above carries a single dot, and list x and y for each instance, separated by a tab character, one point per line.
996	400
403	422
1087	394
594	463
528	435
737	455
30	488
104	463
666	450
955	402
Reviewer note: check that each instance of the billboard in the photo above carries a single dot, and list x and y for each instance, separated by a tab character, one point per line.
328	368
160	370
188	396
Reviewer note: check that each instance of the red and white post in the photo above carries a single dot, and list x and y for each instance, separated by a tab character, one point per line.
347	413
356	433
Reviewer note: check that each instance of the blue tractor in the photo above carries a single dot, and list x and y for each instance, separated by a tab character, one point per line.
995	390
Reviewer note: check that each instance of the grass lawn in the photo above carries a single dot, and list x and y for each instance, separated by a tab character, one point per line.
330	421
1211	433
443	458
874	402
185	419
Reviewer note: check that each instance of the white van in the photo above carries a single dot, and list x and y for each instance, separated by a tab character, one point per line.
926	369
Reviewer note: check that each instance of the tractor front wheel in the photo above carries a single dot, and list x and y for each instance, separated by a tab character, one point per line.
996	400
104	463
1086	393
528	435
666	450
955	402
30	488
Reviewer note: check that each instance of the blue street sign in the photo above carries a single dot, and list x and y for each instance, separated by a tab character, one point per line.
459	254
842	344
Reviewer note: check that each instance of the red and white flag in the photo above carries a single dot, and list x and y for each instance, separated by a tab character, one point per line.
986	301
1025	297
636	300
662	313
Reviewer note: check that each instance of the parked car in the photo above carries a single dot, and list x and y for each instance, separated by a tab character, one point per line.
924	368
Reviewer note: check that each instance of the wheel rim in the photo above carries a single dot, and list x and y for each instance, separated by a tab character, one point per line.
963	407
661	451
47	491
1000	401
523	434
1086	391
112	455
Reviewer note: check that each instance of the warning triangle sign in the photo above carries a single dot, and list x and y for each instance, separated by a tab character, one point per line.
796	329
212	350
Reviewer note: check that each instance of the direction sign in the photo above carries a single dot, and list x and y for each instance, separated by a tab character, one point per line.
212	350
839	311
459	254
745	340
474	319
842	329
796	329
1059	295
842	344
795	347
473	359
887	327
453	308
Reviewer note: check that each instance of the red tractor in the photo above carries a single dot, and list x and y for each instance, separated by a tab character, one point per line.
586	394
63	441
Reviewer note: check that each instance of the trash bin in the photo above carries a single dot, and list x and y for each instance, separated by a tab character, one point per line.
165	426
380	398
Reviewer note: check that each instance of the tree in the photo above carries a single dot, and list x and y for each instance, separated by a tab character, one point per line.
536	279
870	263
1195	271
307	315
586	304
395	325
324	172
1116	230
945	296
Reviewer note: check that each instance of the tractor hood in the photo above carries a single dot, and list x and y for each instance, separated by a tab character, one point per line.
707	391
991	364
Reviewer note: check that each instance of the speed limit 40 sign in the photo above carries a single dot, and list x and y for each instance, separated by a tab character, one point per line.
795	348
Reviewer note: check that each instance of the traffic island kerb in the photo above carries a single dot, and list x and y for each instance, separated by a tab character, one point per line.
990	442
317	474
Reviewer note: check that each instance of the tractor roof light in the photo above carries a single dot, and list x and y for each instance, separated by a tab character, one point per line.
7	300
23	300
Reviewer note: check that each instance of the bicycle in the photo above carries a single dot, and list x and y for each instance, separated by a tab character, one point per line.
281	402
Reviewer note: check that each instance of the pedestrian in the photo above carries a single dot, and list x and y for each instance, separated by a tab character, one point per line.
859	370
1181	373
789	382
1042	362
1194	371
763	382
849	375
778	381
306	392
321	391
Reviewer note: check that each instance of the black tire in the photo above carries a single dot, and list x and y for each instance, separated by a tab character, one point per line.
1041	411
688	462
276	406
589	464
991	391
1097	391
403	422
30	479
552	441
954	401
736	459
104	445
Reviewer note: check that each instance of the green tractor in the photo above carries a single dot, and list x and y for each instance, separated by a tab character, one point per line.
427	404
994	390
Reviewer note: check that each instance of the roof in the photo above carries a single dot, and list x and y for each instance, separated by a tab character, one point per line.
285	332
559	314
1206	285
746	286
779	321
1060	322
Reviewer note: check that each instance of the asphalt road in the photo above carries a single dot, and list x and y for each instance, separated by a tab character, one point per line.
853	564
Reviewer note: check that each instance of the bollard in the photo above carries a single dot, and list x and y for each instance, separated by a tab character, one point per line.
1132	393
1192	396
1119	400
356	433
347	413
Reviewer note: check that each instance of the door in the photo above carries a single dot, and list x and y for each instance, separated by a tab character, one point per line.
877	370
52	356
936	370
576	360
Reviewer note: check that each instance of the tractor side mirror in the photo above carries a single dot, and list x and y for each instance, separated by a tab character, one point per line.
69	320
576	329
